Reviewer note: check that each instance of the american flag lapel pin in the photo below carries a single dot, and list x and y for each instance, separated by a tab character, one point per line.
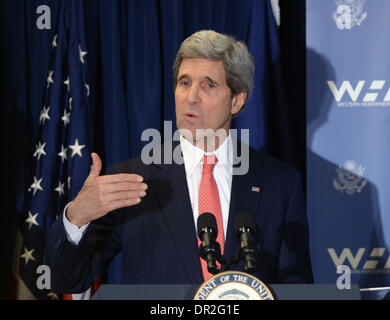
255	189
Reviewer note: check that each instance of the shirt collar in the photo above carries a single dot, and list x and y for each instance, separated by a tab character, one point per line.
193	155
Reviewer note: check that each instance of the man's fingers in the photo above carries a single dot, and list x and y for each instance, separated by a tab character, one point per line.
123	195
123	203
96	165
124	186
106	201
121	177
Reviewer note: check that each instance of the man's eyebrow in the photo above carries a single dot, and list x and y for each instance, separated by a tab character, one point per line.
212	81
186	76
183	76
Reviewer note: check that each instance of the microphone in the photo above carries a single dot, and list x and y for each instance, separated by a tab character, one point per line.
245	229
210	249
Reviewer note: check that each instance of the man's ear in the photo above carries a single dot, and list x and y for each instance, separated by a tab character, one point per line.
238	102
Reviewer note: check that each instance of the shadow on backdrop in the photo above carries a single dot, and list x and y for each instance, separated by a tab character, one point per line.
343	207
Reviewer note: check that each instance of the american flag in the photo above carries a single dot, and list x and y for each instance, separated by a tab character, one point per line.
62	152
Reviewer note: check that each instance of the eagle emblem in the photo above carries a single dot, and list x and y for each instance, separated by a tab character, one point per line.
350	178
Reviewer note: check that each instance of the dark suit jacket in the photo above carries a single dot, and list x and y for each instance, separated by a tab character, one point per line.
158	237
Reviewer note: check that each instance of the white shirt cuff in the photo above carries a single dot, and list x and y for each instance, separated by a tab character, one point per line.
73	232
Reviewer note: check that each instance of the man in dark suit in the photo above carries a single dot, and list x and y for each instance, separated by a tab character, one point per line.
149	211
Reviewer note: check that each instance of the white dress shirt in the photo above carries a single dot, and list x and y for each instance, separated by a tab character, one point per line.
193	163
73	232
222	172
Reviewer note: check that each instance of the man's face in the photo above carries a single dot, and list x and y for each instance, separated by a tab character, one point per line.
202	96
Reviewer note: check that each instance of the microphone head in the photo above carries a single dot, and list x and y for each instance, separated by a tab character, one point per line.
206	220
244	219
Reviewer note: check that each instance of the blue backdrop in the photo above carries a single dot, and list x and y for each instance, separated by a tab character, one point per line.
348	113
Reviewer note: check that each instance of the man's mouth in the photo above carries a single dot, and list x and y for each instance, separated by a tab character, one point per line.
190	115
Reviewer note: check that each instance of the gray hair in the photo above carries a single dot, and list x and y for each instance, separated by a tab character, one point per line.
237	60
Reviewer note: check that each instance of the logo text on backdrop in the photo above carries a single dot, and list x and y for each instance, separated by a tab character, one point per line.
363	94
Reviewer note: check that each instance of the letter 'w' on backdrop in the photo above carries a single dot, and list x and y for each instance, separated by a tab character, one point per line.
348	134
63	145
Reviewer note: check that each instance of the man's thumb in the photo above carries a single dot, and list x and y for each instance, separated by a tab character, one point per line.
96	165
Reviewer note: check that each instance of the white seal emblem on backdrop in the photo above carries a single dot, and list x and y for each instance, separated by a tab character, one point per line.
233	285
349	13
350	178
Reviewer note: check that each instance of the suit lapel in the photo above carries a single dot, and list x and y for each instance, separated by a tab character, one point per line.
179	218
245	196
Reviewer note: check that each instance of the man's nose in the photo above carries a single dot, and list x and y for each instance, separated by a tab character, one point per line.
193	94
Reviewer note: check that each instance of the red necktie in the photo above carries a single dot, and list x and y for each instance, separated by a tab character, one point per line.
209	202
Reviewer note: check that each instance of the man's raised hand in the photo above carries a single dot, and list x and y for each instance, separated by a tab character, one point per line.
102	194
